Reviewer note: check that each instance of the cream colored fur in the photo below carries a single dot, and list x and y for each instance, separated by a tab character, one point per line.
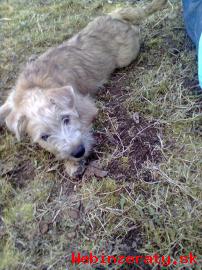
51	100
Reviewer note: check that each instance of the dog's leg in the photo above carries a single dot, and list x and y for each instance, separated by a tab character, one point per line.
74	168
130	48
4	111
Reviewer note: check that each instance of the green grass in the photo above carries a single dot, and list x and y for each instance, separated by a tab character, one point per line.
44	215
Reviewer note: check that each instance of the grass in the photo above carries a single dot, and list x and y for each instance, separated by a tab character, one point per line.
44	215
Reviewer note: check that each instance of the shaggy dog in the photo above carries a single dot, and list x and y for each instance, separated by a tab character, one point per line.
51	100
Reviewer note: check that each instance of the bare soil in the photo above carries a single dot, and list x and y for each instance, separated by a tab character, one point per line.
132	139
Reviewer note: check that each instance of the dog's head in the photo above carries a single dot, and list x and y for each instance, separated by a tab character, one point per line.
58	119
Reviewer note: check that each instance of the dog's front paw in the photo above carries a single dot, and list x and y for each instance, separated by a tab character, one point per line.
80	169
75	169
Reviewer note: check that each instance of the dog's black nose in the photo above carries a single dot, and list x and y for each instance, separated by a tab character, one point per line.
79	151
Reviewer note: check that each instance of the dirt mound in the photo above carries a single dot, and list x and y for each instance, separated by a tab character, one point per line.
128	137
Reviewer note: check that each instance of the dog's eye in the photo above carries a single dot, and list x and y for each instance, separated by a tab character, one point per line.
45	137
65	119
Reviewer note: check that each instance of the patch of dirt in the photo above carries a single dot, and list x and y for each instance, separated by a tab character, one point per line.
18	172
128	137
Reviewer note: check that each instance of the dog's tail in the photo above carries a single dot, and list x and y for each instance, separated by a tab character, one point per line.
137	15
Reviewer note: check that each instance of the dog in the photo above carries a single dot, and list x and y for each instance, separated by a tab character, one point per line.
51	101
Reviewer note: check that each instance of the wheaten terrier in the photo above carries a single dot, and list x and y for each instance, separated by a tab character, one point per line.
51	100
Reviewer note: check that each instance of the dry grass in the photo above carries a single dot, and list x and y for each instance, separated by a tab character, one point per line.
44	216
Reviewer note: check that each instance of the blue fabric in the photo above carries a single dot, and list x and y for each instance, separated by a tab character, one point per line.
193	22
193	19
200	62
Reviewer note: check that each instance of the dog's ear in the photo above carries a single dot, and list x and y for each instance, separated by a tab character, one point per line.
21	127
86	109
17	124
62	96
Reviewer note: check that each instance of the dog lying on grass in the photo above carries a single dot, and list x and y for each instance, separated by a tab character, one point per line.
51	100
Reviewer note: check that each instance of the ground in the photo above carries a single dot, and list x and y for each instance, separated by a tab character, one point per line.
141	193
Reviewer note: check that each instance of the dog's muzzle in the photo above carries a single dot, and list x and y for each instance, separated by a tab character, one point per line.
79	151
